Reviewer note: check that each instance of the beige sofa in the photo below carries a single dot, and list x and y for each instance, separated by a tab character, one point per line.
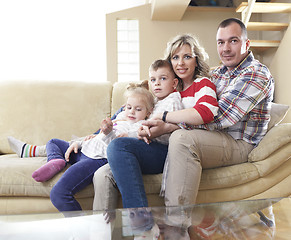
36	111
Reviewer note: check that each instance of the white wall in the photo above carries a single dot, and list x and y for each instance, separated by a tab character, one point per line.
55	39
154	35
280	69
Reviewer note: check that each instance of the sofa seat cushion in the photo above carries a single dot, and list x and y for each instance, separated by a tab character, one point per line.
212	178
16	180
230	176
152	183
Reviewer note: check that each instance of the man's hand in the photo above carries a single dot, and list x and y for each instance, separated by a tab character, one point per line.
106	126
73	147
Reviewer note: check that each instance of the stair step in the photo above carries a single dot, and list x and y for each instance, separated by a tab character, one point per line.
260	7
266	26
262	45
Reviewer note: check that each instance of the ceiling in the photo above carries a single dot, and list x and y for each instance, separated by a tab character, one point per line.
168	10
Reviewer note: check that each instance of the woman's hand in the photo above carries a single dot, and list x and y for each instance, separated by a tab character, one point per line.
155	128
122	135
144	134
106	126
73	147
89	137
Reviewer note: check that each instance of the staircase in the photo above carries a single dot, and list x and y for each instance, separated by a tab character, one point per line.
247	8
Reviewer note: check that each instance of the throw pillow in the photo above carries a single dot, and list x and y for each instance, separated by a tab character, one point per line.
275	137
278	112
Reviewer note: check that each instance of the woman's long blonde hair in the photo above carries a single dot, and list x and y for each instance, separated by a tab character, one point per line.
202	69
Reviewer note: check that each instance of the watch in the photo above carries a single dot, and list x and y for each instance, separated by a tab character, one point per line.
164	116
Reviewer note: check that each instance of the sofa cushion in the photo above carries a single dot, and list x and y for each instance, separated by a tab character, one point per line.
36	111
278	112
229	176
274	160
16	180
277	137
152	183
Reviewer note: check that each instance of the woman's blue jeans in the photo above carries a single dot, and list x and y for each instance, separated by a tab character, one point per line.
129	158
74	179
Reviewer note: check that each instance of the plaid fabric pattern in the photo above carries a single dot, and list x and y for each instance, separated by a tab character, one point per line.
245	96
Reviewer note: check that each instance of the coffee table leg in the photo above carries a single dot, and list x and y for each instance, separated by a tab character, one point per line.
265	220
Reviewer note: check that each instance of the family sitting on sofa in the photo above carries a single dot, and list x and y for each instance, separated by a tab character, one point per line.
214	123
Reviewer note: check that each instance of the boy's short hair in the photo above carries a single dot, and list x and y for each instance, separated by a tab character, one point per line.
161	63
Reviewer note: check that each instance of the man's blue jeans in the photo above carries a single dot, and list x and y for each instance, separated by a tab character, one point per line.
129	158
74	179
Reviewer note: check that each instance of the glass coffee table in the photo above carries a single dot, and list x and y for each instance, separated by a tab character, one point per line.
248	219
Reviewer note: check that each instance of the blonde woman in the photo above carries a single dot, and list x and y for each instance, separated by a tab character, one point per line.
129	158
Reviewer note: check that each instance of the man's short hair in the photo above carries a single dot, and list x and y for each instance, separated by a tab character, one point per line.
229	21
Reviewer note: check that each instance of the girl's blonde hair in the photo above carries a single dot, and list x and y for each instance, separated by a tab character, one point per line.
141	89
202	69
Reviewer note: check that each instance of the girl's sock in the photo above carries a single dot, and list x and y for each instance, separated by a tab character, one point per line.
48	170
23	149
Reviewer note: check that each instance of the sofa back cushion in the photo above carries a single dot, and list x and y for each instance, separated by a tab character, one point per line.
36	111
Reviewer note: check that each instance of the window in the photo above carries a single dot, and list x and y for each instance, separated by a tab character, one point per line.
127	50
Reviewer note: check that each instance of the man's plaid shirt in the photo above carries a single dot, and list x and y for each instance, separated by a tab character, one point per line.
244	97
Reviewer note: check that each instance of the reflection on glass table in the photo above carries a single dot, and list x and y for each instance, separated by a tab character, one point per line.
249	219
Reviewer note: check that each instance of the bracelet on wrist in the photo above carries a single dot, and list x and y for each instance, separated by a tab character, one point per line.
164	116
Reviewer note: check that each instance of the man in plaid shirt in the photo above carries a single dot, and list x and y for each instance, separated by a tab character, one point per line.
245	90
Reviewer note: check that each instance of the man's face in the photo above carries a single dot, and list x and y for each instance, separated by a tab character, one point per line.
232	47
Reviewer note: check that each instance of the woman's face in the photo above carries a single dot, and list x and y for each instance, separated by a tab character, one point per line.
184	63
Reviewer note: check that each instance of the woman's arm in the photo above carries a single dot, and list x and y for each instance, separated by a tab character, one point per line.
200	102
189	116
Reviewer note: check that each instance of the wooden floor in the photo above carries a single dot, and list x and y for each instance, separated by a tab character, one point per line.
282	212
250	227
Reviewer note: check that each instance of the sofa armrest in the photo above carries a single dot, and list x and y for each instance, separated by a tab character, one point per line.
277	137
